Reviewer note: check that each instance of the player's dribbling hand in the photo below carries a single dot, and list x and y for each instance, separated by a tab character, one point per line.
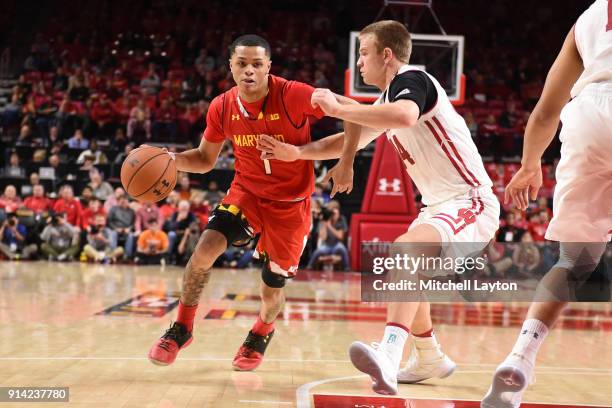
274	149
325	99
523	186
342	177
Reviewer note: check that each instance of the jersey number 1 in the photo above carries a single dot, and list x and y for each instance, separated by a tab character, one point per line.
267	166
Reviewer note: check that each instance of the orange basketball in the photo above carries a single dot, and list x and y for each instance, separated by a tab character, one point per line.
148	174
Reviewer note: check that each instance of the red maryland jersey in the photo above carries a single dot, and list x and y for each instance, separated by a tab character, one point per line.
282	114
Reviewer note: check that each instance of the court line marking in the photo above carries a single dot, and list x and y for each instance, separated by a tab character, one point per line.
265	402
280	360
303	395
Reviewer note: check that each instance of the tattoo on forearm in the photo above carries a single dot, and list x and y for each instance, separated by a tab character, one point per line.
194	281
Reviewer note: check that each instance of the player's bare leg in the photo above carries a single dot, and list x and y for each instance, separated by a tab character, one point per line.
197	274
381	361
426	357
516	372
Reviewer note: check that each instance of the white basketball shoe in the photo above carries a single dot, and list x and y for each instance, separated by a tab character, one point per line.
377	364
426	361
510	381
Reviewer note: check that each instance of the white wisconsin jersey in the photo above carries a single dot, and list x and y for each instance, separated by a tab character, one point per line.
438	151
593	36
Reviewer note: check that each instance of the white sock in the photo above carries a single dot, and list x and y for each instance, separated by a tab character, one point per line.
428	347
393	342
531	338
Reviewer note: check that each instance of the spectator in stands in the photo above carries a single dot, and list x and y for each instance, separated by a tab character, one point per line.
97	156
176	225
145	213
114	199
151	81
537	228
332	232
77	141
10	202
68	117
471	123
13	242
93	211
140	118
14	169
200	207
119	158
11	115
70	206
39	156
184	187
60	239
37	202
489	132
213	195
509	232
103	118
166	120
123	107
508	119
99	246
60	80
26	136
86	196
100	188
171	206
188	243
121	219
77	88
526	257
152	244
53	136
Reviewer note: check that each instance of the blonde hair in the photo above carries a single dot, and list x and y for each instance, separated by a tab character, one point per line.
393	35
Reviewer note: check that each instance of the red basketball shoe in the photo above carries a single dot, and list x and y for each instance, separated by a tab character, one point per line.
250	355
166	348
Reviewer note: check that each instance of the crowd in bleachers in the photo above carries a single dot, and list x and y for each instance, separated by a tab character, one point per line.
100	80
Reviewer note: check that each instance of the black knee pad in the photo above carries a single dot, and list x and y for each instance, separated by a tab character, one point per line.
229	221
273	280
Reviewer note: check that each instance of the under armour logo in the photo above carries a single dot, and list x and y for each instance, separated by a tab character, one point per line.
165	183
156	192
395	185
235	117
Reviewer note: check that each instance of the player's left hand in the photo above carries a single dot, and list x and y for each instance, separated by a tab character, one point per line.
275	149
325	99
523	186
342	177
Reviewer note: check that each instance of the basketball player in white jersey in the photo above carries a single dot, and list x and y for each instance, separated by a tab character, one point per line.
436	147
582	202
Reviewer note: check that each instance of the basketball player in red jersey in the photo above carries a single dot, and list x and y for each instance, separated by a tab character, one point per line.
267	198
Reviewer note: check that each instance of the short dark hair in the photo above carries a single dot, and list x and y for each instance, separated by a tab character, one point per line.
250	40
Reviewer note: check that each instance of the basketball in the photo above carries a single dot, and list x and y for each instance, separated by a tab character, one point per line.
148	174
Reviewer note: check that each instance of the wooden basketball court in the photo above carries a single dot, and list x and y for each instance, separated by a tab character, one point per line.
89	327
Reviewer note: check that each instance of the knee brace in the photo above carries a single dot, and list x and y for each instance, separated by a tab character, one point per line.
273	280
580	258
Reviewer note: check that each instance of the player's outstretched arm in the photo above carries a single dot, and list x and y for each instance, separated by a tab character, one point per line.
328	148
396	115
543	123
199	160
